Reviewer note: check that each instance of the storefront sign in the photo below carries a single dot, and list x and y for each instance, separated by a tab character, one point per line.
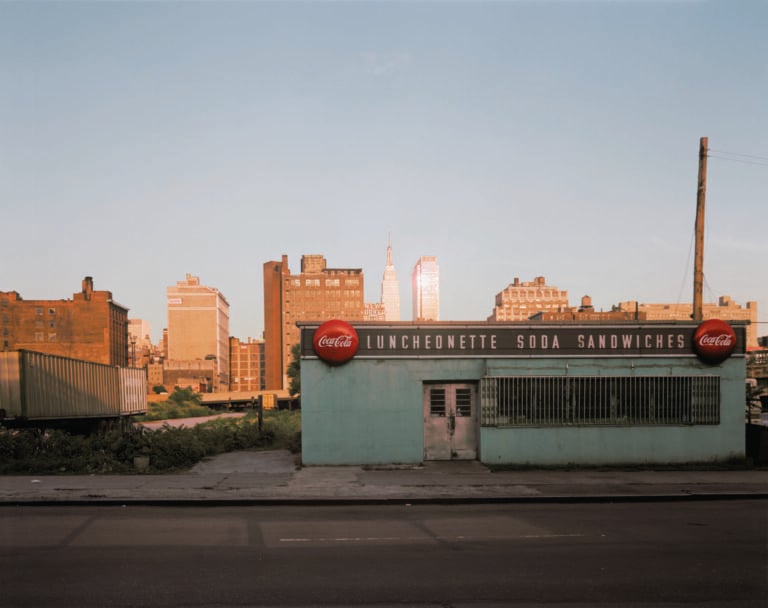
714	341
335	342
527	340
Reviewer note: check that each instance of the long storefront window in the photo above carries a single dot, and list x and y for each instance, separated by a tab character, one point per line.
632	401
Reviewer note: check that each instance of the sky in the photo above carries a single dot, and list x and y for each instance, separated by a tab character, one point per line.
143	141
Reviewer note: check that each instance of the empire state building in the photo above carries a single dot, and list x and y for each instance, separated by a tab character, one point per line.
390	289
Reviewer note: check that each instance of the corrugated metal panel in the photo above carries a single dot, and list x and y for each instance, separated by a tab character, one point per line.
38	386
10	387
133	391
58	387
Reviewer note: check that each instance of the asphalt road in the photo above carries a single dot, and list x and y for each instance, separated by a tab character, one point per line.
711	553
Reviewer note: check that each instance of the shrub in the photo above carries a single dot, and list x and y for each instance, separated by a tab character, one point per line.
32	451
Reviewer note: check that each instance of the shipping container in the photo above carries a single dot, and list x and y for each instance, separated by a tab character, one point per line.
40	387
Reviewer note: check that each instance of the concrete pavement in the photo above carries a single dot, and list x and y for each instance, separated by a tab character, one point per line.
273	477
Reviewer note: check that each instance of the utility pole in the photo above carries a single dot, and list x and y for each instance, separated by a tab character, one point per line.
698	264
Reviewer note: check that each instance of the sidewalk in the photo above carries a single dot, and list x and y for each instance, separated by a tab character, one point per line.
272	477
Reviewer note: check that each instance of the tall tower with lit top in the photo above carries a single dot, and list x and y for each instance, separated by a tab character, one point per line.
425	283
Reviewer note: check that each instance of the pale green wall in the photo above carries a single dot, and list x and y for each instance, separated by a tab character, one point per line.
371	412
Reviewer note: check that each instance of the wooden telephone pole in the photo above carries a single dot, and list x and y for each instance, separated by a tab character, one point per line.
698	264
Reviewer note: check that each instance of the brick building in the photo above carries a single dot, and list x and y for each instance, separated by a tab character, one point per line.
521	300
246	365
91	326
317	293
725	309
586	312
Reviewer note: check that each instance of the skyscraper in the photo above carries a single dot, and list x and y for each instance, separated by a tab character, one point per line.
318	293
390	289
425	285
198	327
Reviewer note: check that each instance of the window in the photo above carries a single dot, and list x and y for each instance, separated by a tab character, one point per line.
51	311
464	402
632	401
51	337
39	336
437	402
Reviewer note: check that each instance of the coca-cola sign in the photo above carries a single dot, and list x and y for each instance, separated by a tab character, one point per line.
335	342
714	341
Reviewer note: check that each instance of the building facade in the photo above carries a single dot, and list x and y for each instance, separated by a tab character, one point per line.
91	326
390	289
725	309
246	365
521	300
140	347
374	311
198	327
528	394
198	374
317	293
425	289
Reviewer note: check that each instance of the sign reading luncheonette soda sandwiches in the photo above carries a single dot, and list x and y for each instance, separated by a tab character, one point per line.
454	340
335	342
714	341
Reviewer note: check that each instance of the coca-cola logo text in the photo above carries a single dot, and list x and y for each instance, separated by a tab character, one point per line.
714	341
721	340
335	342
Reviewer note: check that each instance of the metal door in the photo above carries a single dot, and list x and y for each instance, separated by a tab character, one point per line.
450	422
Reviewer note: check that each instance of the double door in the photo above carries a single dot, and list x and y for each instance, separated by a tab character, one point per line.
450	422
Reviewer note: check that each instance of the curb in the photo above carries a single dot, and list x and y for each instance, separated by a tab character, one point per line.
275	502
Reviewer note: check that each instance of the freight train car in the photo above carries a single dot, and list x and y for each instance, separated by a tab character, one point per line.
37	389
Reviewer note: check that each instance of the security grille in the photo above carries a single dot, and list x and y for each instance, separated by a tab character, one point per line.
564	401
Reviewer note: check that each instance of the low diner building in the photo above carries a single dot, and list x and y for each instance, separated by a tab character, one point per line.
522	393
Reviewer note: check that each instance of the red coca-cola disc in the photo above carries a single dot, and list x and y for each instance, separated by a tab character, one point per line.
335	341
714	341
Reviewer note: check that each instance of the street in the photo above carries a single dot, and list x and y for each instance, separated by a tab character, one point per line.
638	554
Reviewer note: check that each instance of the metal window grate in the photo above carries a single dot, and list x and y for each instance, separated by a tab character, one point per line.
567	400
437	403
464	402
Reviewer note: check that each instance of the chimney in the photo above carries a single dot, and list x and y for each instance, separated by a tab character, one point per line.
87	287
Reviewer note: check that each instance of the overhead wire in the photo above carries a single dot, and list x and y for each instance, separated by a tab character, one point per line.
747	159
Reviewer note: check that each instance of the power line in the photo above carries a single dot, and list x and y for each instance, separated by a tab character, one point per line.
746	159
740	154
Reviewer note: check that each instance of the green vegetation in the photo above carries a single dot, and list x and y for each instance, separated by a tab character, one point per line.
182	403
32	451
294	372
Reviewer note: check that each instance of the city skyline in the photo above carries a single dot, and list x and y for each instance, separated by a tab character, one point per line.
236	132
573	299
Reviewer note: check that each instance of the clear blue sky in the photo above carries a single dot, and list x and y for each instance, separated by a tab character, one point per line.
141	141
